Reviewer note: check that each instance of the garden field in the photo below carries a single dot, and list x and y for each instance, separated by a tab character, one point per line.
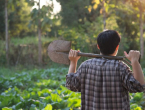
44	89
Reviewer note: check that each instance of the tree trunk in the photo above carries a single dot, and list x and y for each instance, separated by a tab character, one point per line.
104	15
141	32
6	32
39	37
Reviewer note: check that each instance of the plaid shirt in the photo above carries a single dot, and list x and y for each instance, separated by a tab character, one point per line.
104	84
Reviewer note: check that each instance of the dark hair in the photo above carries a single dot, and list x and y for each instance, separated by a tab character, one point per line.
108	41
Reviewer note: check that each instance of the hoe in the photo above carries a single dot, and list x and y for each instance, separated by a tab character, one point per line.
58	52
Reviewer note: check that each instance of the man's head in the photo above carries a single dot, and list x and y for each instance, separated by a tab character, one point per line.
108	42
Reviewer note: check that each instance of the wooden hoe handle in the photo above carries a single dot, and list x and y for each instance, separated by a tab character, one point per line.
123	58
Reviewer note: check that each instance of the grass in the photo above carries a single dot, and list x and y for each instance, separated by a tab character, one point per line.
11	70
27	40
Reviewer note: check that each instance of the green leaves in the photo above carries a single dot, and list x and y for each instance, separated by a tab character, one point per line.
38	90
55	98
44	15
48	107
135	107
137	101
6	108
74	102
138	96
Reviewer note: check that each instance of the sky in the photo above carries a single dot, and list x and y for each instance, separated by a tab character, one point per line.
57	6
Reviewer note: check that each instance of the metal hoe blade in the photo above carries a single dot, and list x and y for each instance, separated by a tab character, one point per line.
58	51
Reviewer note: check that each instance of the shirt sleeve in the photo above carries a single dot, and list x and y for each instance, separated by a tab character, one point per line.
129	82
73	81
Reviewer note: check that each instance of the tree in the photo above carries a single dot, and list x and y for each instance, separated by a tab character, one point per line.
41	18
79	11
141	30
104	14
2	19
18	14
141	11
127	20
6	32
39	36
140	7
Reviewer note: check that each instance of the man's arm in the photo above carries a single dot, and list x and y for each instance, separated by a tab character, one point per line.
73	77
73	57
72	67
133	56
138	73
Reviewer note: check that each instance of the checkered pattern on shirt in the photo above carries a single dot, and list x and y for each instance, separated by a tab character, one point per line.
104	84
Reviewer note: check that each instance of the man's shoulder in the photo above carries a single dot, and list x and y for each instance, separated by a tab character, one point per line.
123	65
92	60
105	62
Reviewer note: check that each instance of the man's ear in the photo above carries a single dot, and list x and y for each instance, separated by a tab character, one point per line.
117	47
98	46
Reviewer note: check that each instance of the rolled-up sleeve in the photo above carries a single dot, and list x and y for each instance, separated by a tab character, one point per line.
129	82
73	81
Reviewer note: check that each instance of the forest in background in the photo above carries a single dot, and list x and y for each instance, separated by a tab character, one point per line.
25	32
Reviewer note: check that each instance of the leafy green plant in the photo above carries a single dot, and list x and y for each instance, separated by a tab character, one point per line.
37	89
